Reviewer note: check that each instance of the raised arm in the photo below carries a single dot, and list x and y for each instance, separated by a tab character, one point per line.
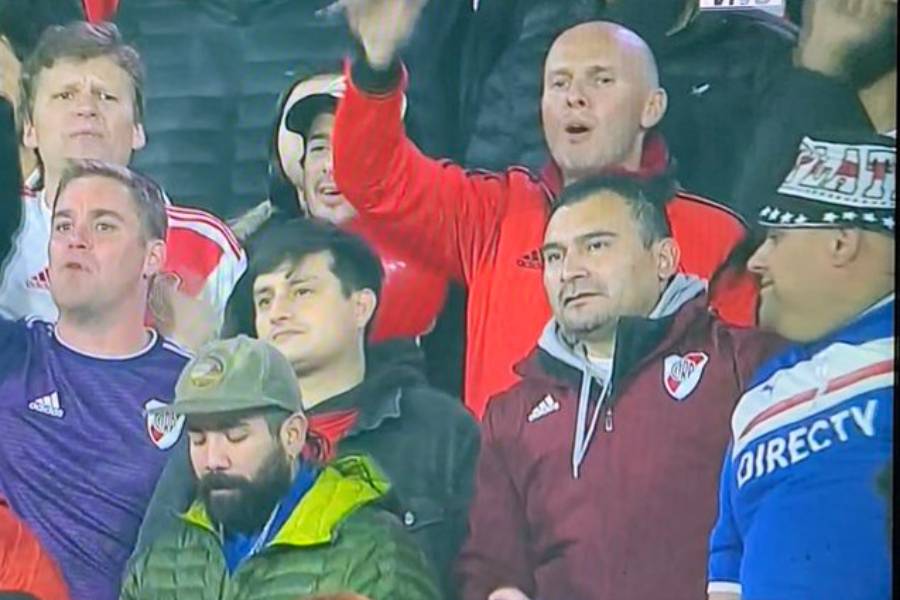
439	211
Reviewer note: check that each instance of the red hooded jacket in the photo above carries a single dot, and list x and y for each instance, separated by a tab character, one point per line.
485	230
24	566
629	517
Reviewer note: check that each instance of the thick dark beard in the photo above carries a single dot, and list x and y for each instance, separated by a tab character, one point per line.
248	510
870	61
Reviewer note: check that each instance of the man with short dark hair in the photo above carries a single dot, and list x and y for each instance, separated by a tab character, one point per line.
597	471
311	291
78	457
82	98
266	520
801	514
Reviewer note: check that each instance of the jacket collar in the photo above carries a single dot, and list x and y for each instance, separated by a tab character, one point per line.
391	366
342	487
637	338
655	161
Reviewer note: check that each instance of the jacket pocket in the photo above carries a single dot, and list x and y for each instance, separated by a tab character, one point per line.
419	512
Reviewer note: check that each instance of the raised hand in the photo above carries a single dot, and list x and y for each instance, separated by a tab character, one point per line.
382	26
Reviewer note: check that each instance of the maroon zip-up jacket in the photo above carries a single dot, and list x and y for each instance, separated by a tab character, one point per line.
635	523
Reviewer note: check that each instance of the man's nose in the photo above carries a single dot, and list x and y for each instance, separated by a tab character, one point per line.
85	104
575	97
758	262
215	454
572	266
281	308
80	237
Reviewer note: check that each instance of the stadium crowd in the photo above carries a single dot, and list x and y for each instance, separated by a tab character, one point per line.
448	300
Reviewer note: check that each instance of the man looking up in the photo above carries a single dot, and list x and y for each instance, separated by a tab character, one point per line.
78	457
600	106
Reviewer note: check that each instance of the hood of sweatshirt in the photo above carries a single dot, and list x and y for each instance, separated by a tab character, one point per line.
681	289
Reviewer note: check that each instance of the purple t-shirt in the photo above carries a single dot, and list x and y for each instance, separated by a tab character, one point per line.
79	458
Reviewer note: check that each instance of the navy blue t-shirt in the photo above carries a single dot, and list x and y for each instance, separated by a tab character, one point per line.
79	458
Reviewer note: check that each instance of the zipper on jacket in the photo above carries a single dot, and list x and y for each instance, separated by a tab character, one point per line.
608	420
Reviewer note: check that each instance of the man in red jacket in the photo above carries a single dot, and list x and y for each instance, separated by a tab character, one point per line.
24	566
600	105
598	471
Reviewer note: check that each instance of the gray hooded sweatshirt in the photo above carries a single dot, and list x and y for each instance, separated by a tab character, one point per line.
681	289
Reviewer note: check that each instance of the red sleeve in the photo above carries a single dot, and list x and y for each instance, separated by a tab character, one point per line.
436	209
97	11
495	554
24	566
707	232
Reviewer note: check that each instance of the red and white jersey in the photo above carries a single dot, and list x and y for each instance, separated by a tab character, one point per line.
202	252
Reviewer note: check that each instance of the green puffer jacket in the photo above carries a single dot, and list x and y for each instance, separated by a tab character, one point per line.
336	540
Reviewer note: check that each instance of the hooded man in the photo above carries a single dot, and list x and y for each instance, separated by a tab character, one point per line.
598	470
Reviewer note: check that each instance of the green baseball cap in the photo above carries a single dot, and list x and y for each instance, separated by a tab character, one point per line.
239	373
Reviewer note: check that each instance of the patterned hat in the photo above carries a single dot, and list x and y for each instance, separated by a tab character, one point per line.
838	184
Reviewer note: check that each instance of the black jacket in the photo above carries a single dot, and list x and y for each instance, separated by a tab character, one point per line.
797	103
424	440
715	69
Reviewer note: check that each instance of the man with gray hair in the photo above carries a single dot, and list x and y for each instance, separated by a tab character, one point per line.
79	458
81	97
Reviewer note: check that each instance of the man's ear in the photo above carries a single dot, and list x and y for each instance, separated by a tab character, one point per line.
654	108
668	257
293	434
155	259
29	134
844	246
364	304
138	137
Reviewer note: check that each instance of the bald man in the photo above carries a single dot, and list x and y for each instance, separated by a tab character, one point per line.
600	106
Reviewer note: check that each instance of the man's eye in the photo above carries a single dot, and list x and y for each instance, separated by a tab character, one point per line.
263	303
300	292
63	95
62	227
236	436
551	257
604	79
105	227
108	97
197	439
558	83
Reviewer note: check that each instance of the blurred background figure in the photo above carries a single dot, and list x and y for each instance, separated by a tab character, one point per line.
21	24
214	66
301	175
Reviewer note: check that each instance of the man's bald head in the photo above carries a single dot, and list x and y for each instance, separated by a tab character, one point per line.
601	38
601	96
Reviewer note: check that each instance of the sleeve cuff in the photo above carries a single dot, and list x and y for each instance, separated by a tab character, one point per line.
727	587
376	81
